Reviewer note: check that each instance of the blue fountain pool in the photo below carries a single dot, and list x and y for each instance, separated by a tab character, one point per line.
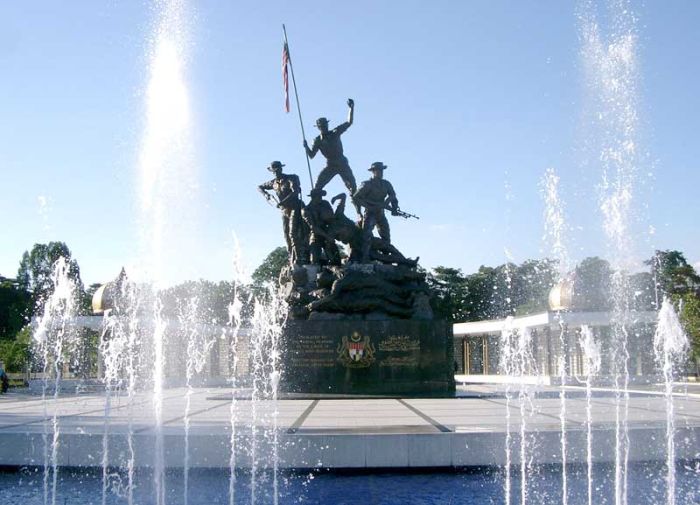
473	486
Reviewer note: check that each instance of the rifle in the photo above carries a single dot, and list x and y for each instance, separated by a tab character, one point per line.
405	215
395	212
270	198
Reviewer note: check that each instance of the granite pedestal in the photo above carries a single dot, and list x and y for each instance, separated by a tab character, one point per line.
363	357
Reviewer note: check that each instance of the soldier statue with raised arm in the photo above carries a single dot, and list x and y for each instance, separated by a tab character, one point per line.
330	145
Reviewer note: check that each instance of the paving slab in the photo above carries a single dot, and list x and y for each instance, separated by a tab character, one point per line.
467	430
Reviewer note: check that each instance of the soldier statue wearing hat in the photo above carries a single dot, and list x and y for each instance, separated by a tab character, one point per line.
375	195
319	216
346	231
288	198
328	142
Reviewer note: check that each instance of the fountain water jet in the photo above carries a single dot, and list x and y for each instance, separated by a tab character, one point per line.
235	321
517	361
508	366
198	346
670	348
166	173
269	318
611	70
591	352
54	339
113	352
120	351
555	227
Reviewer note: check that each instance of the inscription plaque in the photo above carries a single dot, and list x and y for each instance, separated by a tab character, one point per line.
368	357
313	351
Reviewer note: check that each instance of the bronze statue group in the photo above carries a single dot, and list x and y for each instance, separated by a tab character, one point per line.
312	229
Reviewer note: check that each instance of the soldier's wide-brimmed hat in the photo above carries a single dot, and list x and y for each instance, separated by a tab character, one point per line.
317	192
321	120
275	165
377	165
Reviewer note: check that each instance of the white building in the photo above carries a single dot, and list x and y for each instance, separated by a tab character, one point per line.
552	334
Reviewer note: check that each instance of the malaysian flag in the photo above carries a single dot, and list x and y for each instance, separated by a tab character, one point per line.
285	75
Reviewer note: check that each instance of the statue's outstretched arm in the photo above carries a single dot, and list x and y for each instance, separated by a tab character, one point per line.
263	188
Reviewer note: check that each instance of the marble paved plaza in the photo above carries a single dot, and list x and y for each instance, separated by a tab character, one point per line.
468	430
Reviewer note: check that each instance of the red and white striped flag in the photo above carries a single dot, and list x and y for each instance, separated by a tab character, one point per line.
285	75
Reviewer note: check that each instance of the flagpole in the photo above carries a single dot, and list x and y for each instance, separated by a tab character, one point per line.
296	95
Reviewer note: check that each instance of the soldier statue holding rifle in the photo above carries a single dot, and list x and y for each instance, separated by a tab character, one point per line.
376	195
288	199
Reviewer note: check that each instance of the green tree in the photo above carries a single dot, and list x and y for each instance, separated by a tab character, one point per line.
15	353
492	293
211	300
36	269
592	284
449	290
673	274
269	270
676	278
480	288
15	307
689	304
642	292
535	279
504	283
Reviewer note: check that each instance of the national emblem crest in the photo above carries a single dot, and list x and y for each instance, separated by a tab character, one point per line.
356	351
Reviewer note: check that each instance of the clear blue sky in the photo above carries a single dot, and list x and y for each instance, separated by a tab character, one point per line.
467	102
